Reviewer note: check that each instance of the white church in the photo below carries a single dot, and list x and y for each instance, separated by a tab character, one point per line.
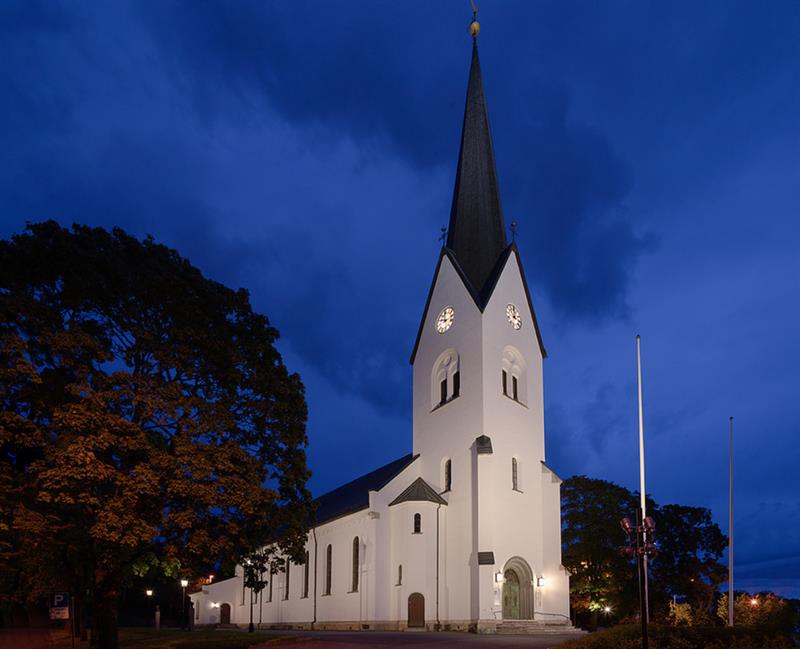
464	532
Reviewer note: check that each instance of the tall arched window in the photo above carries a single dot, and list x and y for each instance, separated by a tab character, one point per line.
400	575
513	375
356	545
448	475
286	580
305	575
445	378
514	474
417	524
328	559
271	579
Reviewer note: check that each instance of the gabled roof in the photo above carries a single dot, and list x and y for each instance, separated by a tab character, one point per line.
481	299
477	232
354	496
419	490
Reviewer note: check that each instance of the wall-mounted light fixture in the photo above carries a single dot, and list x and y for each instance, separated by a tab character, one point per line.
214	604
498	578
540	582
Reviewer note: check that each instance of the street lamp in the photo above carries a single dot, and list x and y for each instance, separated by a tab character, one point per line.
184	584
640	545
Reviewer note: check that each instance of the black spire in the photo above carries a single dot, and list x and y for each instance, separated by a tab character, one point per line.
477	233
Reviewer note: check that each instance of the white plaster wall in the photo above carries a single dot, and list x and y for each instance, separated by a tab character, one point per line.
450	430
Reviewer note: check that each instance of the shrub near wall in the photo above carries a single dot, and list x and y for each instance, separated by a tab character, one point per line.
665	637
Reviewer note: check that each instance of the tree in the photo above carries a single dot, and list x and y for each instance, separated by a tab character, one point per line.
600	576
689	547
147	419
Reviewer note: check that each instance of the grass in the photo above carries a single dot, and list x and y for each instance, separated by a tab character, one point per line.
174	639
667	637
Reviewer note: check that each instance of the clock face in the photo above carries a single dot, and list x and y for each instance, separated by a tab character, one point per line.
514	317
445	319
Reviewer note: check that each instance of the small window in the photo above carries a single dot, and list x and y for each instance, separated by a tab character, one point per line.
305	575
448	475
328	558
456	384
286	581
505	383
514	474
514	388
443	391
242	602
417	524
354	588
400	575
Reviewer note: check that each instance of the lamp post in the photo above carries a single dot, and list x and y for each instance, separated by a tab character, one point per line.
640	544
184	584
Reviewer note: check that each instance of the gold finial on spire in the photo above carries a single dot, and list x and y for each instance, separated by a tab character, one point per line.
474	26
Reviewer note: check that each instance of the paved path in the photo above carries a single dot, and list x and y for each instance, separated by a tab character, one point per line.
416	640
24	639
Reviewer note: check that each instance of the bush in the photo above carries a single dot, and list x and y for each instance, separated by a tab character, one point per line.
666	637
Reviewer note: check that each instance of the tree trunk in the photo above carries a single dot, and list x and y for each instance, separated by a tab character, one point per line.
106	596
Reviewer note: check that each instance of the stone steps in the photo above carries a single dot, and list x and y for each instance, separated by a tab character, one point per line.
537	627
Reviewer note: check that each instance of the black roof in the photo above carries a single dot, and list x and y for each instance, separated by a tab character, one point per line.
477	233
354	495
419	490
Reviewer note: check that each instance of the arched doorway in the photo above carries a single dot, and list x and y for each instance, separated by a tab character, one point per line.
416	610
517	590
225	614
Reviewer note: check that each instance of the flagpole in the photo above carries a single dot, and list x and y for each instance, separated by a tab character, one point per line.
730	529
642	491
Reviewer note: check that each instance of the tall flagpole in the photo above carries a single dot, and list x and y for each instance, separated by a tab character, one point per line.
642	492
730	531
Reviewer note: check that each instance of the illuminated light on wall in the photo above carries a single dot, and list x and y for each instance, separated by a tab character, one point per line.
540	582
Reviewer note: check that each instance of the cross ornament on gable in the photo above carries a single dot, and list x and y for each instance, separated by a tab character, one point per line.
443	235
513	231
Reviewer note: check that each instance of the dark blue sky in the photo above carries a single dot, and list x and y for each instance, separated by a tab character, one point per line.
306	151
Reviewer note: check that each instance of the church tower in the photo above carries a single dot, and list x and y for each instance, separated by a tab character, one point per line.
478	410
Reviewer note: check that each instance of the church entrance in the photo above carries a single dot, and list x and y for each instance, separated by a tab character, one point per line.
511	596
416	610
517	590
225	614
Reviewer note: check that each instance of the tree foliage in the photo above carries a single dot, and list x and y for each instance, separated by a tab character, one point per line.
147	419
689	546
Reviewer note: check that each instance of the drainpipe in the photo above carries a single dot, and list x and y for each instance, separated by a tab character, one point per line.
438	624
314	621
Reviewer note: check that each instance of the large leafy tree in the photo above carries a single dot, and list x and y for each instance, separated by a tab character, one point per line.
146	418
689	547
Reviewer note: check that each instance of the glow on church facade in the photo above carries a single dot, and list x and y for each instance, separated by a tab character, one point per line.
464	532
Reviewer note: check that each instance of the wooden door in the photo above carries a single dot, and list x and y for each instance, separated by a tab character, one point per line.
511	596
225	614
416	610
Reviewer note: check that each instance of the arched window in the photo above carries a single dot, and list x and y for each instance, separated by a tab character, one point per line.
445	378
305	575
286	580
448	475
271	579
356	545
400	575
328	559
513	375
417	524
514	474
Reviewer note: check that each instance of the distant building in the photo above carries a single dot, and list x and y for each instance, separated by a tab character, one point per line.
463	533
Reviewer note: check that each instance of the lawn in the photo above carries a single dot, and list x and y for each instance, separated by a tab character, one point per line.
174	639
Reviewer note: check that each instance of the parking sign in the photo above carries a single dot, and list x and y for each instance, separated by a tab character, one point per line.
59	606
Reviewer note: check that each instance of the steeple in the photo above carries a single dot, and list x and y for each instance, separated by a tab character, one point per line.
477	235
